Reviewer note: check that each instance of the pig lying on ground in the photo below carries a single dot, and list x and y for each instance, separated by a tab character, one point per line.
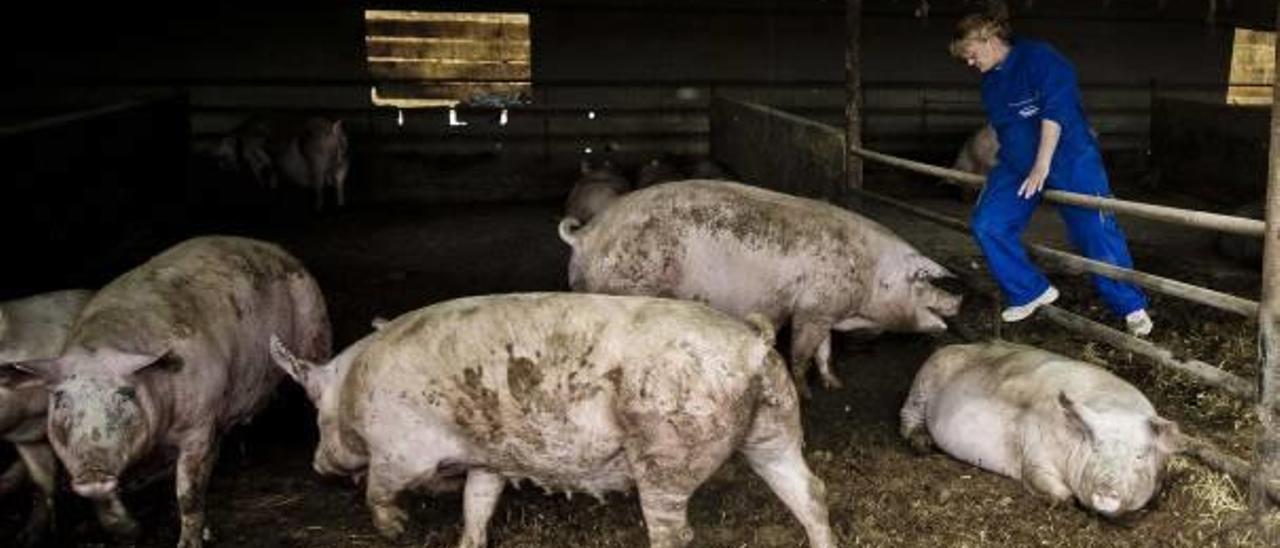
33	328
587	393
170	355
599	185
1065	428
657	171
743	249
309	153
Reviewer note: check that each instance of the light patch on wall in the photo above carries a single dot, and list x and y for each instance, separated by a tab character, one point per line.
1253	57
442	59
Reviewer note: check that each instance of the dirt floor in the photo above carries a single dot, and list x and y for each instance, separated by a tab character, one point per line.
388	260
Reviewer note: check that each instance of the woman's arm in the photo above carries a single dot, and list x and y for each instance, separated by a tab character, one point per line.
1050	131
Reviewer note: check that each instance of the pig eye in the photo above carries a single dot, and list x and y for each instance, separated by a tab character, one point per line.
127	392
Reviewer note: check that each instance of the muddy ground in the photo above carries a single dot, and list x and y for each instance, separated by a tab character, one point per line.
390	259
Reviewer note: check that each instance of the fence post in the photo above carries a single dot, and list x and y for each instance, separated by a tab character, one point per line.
1266	461
853	94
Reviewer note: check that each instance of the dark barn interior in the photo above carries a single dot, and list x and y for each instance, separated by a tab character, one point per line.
112	110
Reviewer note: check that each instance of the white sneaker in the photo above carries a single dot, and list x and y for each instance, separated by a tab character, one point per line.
1022	312
1139	323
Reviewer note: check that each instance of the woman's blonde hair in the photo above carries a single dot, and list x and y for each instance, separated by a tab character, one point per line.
992	23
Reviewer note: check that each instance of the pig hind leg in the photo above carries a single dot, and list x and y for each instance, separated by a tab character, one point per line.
38	460
811	341
933	375
667	473
773	450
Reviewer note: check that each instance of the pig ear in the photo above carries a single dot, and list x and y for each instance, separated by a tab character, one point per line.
13	378
49	370
296	367
1167	435
127	363
379	322
1075	415
924	268
336	127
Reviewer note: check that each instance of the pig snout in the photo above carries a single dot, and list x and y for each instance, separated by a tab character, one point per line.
1106	503
94	485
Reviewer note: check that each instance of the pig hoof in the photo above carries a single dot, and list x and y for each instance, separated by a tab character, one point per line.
831	382
123	528
390	522
920	441
194	540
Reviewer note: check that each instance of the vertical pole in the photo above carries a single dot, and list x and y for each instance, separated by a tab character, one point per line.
1266	460
853	94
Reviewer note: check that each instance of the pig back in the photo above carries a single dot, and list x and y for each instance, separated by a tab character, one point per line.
208	305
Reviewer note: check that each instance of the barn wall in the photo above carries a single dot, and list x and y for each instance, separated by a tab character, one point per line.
647	72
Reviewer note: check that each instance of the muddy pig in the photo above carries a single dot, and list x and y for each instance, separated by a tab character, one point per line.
586	393
32	328
598	186
657	171
1066	428
167	357
743	249
309	153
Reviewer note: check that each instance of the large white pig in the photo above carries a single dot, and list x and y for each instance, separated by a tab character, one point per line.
32	328
743	249
587	393
167	357
1065	428
598	185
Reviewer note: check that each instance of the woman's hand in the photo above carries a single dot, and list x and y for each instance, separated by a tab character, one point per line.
1034	181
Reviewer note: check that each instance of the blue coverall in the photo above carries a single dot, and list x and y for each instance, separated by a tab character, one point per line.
1034	83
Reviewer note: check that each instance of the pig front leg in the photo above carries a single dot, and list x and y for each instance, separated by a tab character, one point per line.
41	464
382	493
1044	479
810	340
480	498
195	464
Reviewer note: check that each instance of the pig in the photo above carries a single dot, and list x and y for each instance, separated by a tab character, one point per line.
309	153
977	156
166	358
32	328
657	171
744	249
597	187
1064	427
585	393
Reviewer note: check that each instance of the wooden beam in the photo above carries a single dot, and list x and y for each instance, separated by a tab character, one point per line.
1266	459
853	93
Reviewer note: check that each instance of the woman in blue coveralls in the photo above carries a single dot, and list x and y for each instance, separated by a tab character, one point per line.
1032	100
